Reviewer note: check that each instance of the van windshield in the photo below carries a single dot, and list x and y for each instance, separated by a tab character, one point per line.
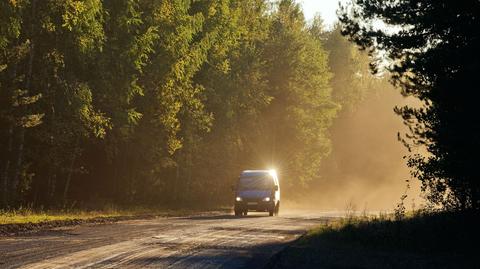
257	182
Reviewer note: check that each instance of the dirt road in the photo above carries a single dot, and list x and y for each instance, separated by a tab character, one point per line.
212	241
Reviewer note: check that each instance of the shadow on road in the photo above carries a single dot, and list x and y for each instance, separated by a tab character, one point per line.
224	217
226	256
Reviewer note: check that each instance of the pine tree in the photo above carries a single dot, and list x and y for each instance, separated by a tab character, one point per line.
431	47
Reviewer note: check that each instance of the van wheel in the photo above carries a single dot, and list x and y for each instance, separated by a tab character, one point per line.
238	213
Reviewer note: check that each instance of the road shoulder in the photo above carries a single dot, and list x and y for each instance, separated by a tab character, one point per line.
23	228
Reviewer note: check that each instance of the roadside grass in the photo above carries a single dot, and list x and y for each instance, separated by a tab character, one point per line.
421	240
28	215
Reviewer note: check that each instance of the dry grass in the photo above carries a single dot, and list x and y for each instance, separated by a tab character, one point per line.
27	215
31	216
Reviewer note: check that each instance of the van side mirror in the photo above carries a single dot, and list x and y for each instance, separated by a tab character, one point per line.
276	188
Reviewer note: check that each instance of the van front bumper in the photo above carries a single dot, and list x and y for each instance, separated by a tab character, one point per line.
254	206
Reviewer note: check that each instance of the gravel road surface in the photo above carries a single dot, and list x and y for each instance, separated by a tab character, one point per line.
209	241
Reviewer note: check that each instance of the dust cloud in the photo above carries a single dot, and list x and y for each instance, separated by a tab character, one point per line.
366	169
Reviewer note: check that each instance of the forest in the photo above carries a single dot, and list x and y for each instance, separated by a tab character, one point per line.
165	102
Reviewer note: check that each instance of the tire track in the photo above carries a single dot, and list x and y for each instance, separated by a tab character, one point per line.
217	241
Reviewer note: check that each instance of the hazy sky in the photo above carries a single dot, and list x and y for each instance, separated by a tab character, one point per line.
326	8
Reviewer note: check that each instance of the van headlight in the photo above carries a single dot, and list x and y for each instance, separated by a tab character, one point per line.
266	199
238	199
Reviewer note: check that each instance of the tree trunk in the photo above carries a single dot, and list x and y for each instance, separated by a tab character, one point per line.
18	166
52	173
70	171
176	182
5	176
52	188
21	142
7	167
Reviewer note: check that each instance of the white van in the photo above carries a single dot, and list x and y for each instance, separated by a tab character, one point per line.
257	190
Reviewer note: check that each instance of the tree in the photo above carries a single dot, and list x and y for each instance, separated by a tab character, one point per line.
15	99
352	79
236	95
129	101
431	48
50	43
295	124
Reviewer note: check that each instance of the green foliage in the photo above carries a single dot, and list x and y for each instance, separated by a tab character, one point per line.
302	108
83	19
352	79
158	101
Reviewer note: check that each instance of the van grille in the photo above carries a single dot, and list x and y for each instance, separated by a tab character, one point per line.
252	200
